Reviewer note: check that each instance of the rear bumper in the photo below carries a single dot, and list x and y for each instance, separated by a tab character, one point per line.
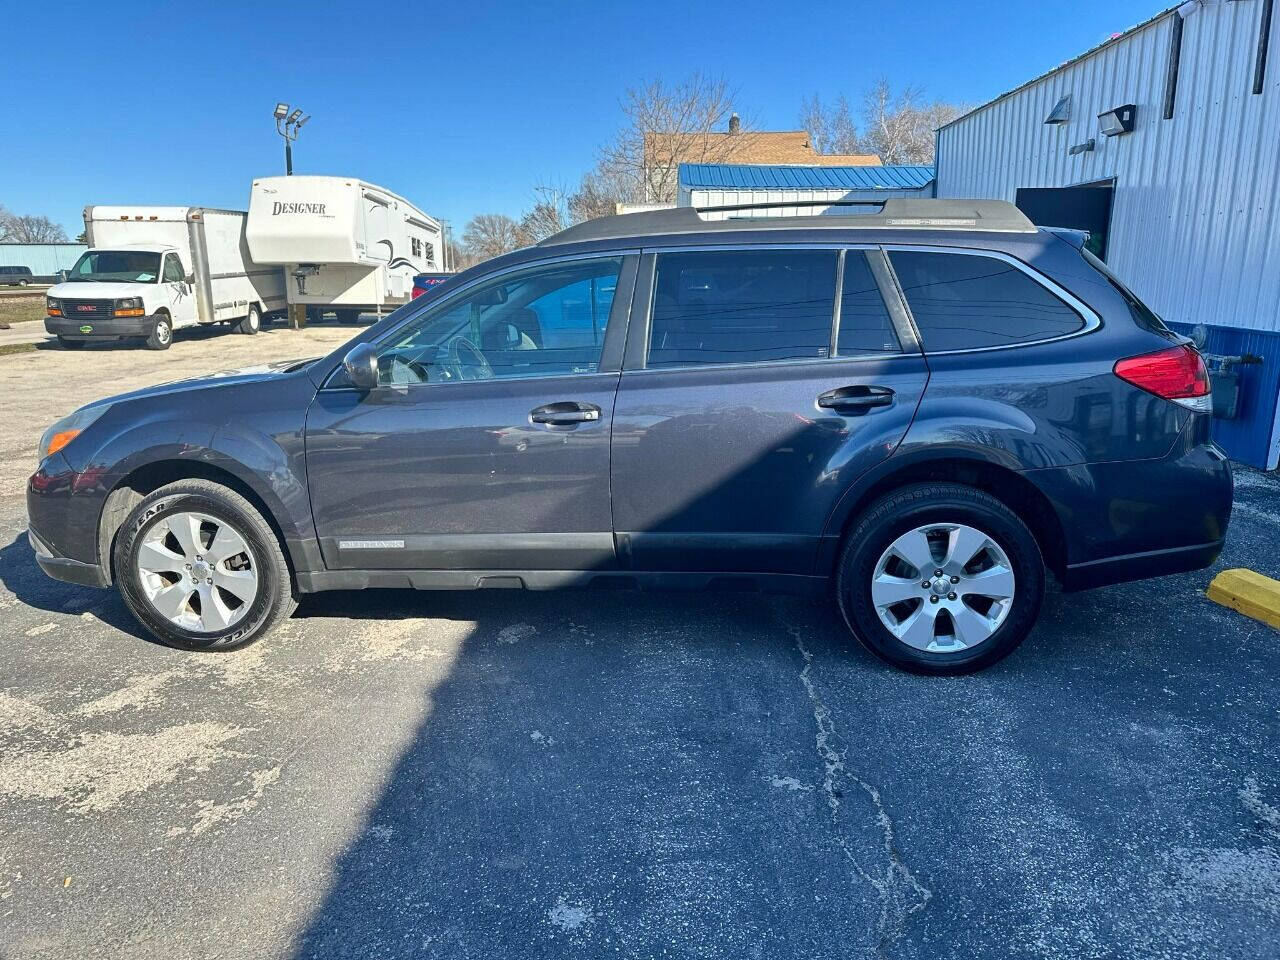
1140	566
75	329
1132	520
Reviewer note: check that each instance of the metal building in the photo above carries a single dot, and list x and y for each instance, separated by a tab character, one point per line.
1164	142
718	188
44	259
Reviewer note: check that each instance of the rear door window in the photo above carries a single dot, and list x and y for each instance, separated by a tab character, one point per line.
742	306
865	324
967	302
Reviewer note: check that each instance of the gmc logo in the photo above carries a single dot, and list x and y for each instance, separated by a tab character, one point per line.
86	307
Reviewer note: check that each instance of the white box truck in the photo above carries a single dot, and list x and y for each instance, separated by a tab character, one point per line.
347	246
152	270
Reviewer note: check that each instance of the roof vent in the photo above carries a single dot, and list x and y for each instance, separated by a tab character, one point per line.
1061	111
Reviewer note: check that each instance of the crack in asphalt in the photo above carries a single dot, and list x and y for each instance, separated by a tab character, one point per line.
900	893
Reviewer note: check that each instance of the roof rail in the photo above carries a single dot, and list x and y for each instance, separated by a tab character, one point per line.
896	213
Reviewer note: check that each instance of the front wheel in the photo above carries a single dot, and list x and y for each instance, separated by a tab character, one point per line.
940	578
200	568
161	336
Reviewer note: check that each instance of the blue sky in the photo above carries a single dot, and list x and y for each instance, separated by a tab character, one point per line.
464	109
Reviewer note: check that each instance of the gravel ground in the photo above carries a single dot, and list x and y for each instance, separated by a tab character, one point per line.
616	774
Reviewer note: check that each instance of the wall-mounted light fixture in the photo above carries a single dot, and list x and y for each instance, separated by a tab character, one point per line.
1061	111
1079	148
1117	120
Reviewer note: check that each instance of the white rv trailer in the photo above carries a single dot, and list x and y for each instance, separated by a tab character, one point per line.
345	244
152	270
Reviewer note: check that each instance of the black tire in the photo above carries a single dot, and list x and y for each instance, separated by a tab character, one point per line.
161	336
250	323
272	604
67	344
918	505
23	283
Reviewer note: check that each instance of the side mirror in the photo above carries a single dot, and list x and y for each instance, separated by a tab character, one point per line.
361	364
63	275
189	278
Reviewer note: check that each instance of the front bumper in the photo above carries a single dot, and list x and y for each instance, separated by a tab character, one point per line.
64	568
90	329
63	511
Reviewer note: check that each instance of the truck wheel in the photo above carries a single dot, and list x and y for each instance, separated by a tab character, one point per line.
22	283
67	344
250	323
161	334
200	568
940	578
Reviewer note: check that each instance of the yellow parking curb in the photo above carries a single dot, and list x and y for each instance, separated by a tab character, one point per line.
1251	593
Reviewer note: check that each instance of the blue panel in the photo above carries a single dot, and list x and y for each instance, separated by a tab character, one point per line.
740	176
1247	438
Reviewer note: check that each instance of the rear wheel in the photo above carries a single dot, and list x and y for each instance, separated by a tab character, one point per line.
161	336
940	578
23	283
250	323
200	568
68	344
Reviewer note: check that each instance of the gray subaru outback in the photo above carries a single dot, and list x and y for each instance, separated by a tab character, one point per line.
923	409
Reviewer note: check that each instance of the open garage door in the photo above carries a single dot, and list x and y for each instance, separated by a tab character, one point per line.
1083	207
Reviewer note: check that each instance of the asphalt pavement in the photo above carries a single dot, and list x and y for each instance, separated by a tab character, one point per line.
618	774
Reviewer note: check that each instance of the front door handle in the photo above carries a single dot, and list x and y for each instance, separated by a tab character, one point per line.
565	413
856	399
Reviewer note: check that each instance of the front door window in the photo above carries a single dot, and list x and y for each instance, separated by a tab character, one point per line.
544	322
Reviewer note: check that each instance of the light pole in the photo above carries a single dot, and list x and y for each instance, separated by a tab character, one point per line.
287	125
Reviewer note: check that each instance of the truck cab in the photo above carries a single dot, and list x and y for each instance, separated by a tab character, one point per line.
144	291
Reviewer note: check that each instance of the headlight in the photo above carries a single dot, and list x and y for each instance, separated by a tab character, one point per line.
53	306
68	428
129	307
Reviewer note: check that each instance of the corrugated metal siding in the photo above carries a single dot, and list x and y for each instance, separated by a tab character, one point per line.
1259	393
706	200
1194	226
44	259
758	176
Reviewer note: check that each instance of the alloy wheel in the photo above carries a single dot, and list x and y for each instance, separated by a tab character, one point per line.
197	571
943	587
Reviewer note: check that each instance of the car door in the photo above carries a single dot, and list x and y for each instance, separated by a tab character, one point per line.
180	297
758	384
486	444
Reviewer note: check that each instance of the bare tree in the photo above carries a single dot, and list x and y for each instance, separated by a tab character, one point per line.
548	215
29	229
831	128
490	235
667	125
900	127
597	196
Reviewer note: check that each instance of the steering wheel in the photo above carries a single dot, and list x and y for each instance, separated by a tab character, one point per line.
480	369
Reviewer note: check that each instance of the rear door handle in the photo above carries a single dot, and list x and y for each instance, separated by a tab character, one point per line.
856	399
565	413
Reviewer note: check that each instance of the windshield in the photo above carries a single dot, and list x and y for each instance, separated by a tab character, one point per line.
120	266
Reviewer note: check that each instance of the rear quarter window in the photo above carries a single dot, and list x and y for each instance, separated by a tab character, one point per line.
1142	315
965	301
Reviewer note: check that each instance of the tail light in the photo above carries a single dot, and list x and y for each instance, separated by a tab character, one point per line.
418	291
1177	374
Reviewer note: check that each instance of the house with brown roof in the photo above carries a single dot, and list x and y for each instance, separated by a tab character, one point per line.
664	152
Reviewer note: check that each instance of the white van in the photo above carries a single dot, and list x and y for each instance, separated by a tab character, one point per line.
152	270
346	245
